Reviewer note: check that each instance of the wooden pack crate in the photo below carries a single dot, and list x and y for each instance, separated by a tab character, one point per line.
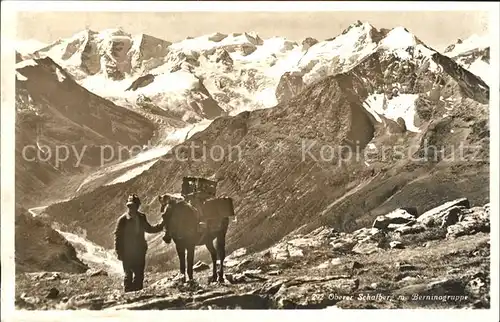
192	185
217	208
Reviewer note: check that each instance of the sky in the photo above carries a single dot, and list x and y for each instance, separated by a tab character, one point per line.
437	29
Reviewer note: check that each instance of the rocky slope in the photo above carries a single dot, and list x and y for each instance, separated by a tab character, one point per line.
63	132
438	260
40	248
56	115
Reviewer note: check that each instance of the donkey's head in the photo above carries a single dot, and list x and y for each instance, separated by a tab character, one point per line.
168	199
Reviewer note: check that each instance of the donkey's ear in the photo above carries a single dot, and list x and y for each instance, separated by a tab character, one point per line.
159	198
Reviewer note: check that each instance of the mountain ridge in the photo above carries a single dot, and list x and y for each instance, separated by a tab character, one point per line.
230	93
55	112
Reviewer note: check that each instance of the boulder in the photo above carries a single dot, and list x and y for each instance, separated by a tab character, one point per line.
330	263
275	272
453	271
314	295
323	265
238	253
283	251
295	245
356	265
436	215
419	292
97	272
241	301
323	233
243	277
451	216
476	286
396	217
343	245
472	221
364	234
306	242
52	293
367	240
366	248
407	230
232	262
200	266
336	261
393	227
151	304
252	271
403	267
270	288
411	210
396	244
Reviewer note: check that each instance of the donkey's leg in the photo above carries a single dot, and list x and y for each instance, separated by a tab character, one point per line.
213	254
221	247
181	253
221	252
190	261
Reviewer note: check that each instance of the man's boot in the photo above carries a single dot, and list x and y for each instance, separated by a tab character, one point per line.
128	276
128	284
138	283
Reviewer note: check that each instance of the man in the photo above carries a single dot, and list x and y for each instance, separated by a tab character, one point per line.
131	245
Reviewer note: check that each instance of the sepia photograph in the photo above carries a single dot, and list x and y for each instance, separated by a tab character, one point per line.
293	158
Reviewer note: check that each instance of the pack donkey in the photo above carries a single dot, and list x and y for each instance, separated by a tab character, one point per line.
197	218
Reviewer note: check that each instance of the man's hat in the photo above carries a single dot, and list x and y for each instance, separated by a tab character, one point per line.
133	200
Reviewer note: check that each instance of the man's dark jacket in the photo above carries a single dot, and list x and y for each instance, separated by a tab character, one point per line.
130	242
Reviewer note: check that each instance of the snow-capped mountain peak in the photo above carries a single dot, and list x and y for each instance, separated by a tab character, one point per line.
397	38
233	72
473	54
338	54
404	45
474	42
112	52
